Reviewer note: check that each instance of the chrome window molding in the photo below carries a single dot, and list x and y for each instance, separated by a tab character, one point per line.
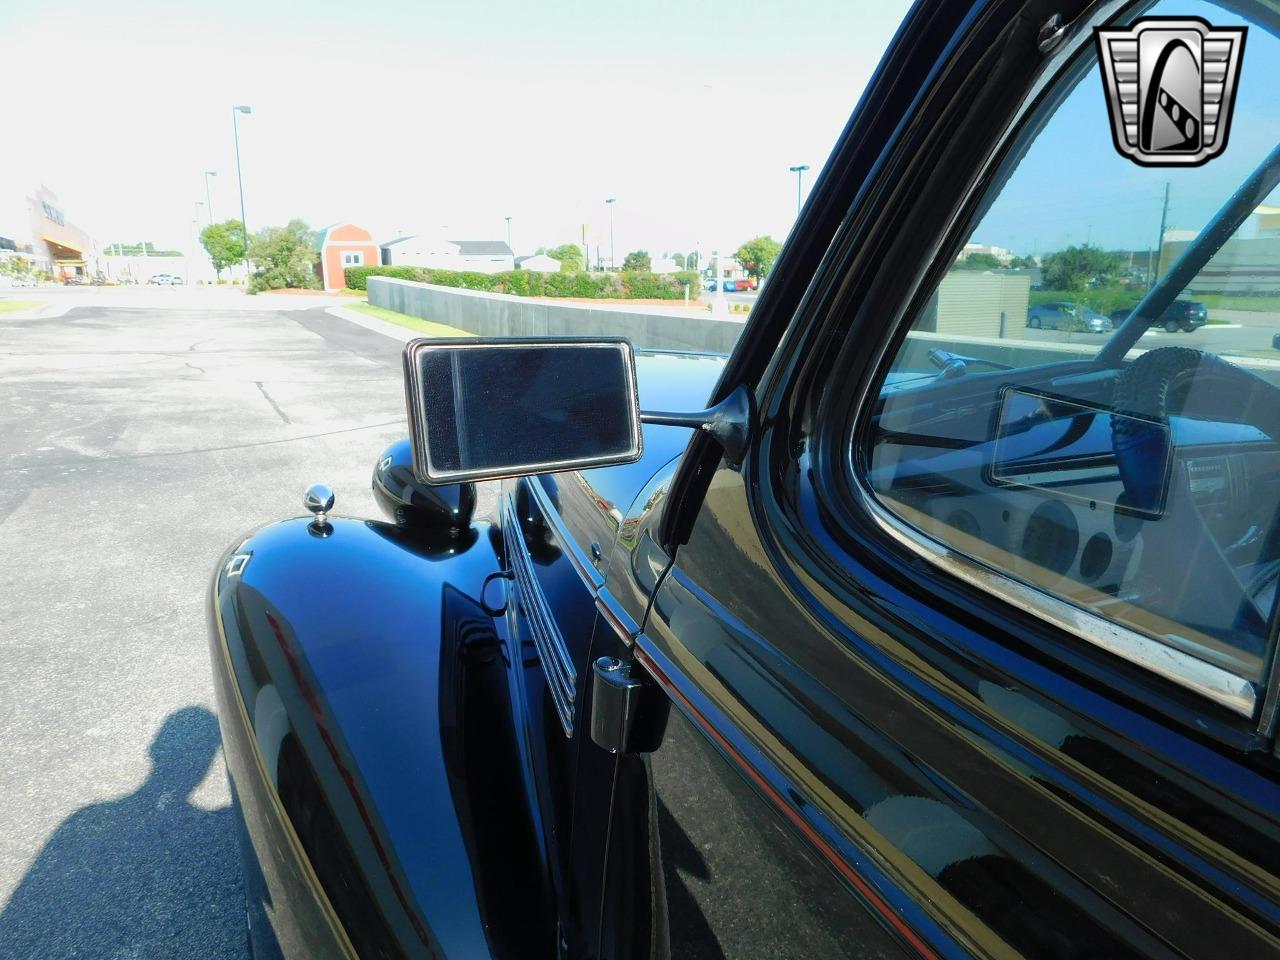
1219	685
562	679
1227	689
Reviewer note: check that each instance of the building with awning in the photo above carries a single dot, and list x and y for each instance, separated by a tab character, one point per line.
68	250
37	229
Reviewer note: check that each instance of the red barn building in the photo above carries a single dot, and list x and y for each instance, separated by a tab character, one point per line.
343	245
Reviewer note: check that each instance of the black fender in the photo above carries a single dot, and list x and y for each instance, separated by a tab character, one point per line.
372	745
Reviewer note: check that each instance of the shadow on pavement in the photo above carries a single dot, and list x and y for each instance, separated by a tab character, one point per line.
148	875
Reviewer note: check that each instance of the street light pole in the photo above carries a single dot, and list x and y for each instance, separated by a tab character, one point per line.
244	227
509	247
208	202
609	202
798	170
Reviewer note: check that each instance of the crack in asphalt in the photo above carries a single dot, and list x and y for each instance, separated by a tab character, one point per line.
274	406
197	450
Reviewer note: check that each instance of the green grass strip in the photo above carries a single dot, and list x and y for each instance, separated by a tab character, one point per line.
430	328
14	306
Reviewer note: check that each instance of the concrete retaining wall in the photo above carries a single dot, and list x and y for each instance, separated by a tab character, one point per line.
501	315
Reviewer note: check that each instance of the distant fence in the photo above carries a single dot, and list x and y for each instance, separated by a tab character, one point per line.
501	315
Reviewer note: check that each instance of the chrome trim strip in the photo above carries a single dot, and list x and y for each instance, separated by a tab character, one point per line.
613	614
1220	686
562	680
568	543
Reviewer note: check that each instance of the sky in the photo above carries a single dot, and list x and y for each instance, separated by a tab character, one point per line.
409	117
1072	187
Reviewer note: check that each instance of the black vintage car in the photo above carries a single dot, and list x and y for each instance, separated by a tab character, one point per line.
891	634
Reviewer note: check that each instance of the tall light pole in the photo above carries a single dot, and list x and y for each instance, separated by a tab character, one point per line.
609	202
244	227
208	202
509	247
798	170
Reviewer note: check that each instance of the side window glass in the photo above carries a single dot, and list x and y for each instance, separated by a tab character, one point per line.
1117	469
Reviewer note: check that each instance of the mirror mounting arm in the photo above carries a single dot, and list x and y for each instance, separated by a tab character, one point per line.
729	422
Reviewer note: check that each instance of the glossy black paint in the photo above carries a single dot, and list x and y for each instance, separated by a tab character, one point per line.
835	751
409	502
373	684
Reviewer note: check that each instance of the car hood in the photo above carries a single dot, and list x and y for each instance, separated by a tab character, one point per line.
666	381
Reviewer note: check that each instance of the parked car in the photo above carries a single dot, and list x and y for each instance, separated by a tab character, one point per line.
1060	313
857	642
1184	315
709	284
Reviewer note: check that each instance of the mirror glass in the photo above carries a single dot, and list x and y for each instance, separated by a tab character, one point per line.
484	408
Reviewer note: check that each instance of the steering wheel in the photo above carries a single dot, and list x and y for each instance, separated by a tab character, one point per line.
1193	581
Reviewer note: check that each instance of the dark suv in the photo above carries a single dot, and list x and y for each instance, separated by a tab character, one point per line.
1184	315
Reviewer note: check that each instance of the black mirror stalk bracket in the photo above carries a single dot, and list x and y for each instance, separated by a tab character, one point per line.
729	421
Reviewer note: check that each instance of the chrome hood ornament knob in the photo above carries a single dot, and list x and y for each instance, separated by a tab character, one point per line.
319	500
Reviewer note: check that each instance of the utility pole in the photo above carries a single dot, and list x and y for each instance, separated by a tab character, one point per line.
798	170
244	227
208	201
508	219
609	202
1164	216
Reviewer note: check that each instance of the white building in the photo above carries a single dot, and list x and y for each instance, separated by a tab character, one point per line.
482	256
1000	253
540	262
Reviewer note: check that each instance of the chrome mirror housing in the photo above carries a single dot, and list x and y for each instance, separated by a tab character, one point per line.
487	408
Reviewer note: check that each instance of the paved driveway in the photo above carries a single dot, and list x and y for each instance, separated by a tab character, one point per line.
137	440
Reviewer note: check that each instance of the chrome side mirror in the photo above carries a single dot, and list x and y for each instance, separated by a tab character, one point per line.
488	408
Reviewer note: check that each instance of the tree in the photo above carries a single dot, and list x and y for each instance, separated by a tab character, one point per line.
979	261
638	260
1074	267
757	255
678	259
224	242
570	256
283	257
691	261
1023	263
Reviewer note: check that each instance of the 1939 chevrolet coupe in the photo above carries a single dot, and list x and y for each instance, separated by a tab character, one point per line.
901	631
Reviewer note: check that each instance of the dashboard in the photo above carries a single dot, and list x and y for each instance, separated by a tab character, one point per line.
1167	526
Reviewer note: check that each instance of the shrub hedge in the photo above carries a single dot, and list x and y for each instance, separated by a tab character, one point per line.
628	285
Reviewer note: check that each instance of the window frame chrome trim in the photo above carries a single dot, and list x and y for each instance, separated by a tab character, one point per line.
1221	686
1228	690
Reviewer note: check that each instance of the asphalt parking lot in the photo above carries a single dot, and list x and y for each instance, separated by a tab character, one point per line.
141	433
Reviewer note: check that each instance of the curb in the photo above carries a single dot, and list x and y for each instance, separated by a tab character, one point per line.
402	334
